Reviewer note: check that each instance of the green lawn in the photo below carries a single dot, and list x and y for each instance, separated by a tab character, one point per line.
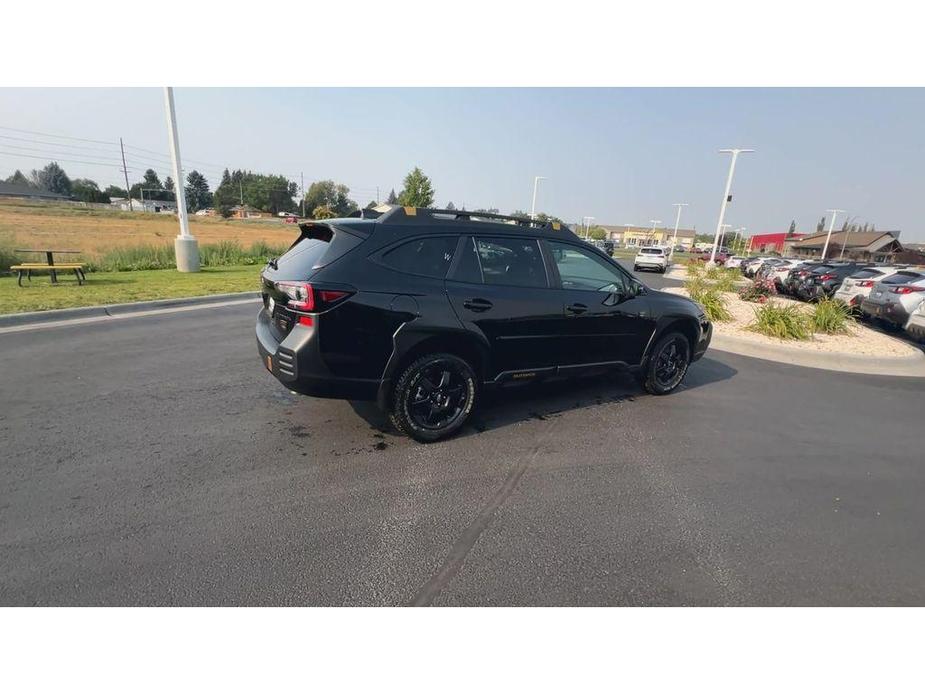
121	287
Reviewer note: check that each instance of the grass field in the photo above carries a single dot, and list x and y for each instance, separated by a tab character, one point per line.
94	232
121	287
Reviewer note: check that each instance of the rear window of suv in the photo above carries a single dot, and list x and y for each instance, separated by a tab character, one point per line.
652	251
903	276
310	253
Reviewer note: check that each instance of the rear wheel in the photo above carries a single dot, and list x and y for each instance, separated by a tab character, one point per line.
667	366
433	397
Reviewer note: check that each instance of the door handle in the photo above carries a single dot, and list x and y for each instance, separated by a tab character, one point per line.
477	305
576	309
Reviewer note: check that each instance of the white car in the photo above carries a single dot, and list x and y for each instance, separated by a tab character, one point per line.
894	299
651	258
915	326
778	273
735	261
857	287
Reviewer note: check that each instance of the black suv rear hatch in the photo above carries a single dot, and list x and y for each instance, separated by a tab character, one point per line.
318	245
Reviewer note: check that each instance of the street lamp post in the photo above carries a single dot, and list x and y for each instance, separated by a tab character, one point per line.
722	237
722	210
587	221
829	235
186	247
654	223
845	240
677	222
536	182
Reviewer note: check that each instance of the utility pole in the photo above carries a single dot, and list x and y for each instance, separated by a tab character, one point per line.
587	221
128	191
677	222
722	237
302	188
536	181
726	197
829	235
241	188
185	245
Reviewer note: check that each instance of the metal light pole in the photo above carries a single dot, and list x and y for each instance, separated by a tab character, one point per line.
185	246
587	221
677	222
722	210
722	237
739	234
847	231
829	235
654	223
536	182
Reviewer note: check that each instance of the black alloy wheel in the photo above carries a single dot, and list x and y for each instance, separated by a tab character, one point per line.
433	397
667	366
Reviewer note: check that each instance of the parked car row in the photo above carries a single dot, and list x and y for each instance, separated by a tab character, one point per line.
893	295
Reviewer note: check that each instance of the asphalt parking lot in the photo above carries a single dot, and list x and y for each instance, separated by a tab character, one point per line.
153	461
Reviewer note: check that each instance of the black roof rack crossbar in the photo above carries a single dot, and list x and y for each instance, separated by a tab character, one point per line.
410	215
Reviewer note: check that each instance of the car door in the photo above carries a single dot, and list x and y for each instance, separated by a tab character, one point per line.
500	289
606	314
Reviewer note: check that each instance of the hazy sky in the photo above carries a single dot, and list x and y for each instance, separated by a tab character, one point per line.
621	155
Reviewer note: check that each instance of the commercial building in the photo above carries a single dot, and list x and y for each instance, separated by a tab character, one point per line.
864	246
633	236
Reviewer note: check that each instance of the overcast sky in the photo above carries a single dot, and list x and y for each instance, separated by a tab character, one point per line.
621	155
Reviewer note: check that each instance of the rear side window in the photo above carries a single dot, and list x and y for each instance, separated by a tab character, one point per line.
512	262
429	256
309	254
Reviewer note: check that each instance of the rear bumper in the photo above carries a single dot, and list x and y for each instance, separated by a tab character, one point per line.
890	312
297	363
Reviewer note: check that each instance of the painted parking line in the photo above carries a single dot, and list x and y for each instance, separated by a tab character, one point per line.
121	316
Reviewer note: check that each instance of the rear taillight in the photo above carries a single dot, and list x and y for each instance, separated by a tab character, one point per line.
826	276
301	295
864	283
907	290
305	298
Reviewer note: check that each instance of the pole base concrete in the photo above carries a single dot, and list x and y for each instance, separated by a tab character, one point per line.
187	252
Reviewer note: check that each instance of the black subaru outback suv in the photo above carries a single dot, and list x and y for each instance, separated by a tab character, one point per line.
422	309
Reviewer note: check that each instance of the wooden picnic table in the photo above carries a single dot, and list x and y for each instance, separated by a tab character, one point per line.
49	257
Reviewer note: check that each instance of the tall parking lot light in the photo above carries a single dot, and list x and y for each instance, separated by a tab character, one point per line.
726	197
677	222
654	223
587	221
536	181
829	235
185	245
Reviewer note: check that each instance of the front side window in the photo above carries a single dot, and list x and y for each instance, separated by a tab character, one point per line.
511	262
579	269
430	256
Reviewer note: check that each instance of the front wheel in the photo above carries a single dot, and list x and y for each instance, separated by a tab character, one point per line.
433	397
667	365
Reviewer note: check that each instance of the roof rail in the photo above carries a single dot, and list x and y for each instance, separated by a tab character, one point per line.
410	215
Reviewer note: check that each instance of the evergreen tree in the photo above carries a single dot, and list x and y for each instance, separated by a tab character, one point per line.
198	196
392	199
450	205
53	178
168	184
821	225
19	178
793	227
418	191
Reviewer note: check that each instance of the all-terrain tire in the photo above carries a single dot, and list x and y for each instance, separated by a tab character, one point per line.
667	365
450	404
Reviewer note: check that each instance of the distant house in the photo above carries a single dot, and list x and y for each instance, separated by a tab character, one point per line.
245	212
17	190
150	206
865	246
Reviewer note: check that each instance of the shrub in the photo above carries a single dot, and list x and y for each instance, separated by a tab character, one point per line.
759	291
8	256
713	302
832	317
782	322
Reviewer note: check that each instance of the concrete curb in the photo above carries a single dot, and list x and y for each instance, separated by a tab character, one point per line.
34	317
911	366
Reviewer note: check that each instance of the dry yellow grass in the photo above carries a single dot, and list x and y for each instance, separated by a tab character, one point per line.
95	231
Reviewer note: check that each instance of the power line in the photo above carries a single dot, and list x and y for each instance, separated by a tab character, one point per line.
52	154
69	161
63	137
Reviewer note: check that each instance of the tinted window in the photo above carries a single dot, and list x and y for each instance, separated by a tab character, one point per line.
865	274
903	277
428	256
579	269
514	262
652	251
468	269
308	254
